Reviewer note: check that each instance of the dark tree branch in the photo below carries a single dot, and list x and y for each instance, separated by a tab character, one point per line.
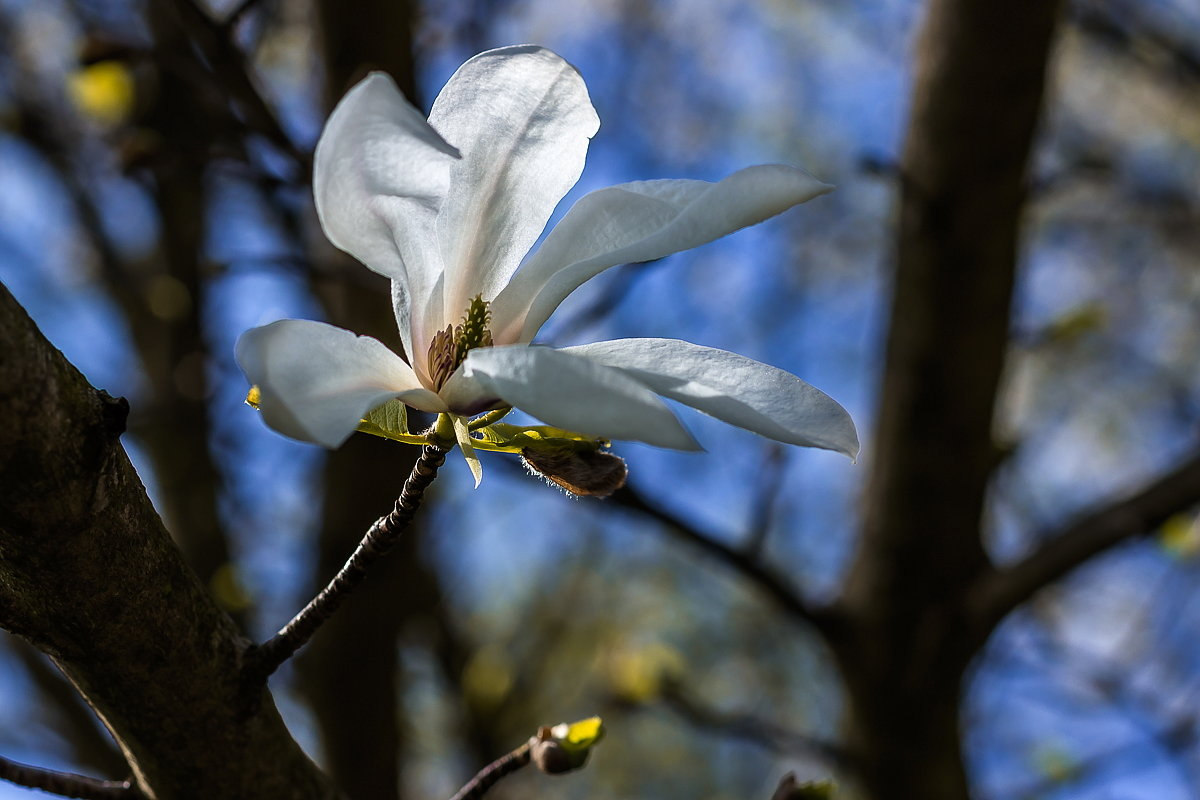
381	538
89	576
91	747
770	582
1085	538
67	784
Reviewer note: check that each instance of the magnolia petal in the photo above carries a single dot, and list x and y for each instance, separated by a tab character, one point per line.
732	388
523	118
566	391
380	173
317	381
641	221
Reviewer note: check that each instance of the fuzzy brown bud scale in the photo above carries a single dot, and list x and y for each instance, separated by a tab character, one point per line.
587	473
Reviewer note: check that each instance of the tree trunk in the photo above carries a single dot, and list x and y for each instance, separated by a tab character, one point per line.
907	638
89	575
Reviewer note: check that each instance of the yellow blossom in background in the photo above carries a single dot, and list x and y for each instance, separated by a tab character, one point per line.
1180	536
102	91
637	673
488	676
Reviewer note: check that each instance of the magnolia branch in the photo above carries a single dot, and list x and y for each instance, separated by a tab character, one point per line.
379	539
555	750
493	773
67	784
1136	515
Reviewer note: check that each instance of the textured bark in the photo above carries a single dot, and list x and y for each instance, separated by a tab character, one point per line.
908	640
89	576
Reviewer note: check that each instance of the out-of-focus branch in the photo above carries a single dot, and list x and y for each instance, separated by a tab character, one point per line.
748	727
766	579
766	498
67	784
235	15
1085	538
231	72
90	577
1125	27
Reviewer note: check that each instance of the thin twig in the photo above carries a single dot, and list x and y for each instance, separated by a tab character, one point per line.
380	538
770	488
753	729
490	775
67	784
767	579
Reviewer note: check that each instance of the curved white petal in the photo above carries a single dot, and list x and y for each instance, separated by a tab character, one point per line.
566	391
317	381
380	173
523	119
732	388
641	221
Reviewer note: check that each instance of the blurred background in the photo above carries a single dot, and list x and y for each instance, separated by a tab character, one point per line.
155	202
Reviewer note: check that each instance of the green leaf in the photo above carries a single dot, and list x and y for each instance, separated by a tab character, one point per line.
390	421
391	417
503	438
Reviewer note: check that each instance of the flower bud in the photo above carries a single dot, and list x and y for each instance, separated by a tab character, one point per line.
565	747
590	473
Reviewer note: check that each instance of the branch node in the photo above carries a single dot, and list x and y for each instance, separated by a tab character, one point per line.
116	413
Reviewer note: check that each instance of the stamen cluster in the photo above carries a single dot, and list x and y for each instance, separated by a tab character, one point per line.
449	347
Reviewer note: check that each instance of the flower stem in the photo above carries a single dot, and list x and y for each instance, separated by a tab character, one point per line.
443	431
490	775
379	539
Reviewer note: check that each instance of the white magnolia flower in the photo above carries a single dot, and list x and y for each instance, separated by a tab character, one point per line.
447	209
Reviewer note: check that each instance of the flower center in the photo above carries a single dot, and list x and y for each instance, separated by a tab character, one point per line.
449	348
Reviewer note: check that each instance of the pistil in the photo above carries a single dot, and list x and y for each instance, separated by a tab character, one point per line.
449	347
